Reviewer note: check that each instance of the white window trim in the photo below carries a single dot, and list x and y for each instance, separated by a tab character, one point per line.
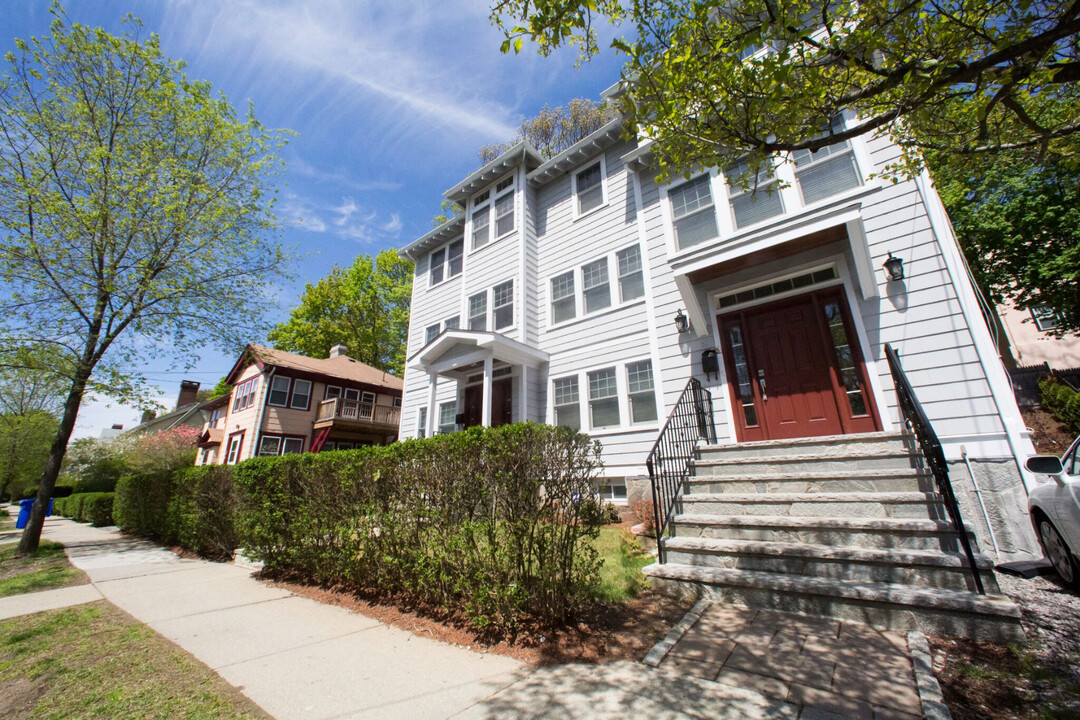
292	394
446	263
438	420
623	394
492	198
514	305
614	289
486	292
577	215
288	391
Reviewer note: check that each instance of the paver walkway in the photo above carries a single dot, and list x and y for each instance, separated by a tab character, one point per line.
297	658
831	668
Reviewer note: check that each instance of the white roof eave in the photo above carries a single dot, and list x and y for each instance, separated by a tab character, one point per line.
578	153
513	157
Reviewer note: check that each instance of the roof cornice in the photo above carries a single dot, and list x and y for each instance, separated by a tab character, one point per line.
523	152
578	153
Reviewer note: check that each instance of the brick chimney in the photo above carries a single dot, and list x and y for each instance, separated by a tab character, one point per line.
339	350
188	390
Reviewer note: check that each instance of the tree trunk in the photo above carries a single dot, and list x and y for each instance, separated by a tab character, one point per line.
32	534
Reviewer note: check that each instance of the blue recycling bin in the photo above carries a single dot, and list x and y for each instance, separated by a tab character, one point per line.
24	513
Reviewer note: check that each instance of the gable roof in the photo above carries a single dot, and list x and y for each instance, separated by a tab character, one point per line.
341	368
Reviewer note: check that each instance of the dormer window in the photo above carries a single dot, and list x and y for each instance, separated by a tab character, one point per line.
499	201
445	262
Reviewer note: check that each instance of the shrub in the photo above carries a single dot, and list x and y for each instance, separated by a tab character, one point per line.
98	508
487	520
95	508
142	504
202	511
1062	401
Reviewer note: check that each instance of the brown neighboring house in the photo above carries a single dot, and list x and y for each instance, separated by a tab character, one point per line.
282	402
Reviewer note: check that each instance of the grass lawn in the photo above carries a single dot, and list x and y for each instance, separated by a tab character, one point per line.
48	568
620	575
96	661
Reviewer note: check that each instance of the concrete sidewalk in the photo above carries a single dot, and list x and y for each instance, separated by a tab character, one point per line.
297	658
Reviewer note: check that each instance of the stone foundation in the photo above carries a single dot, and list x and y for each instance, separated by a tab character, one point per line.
1005	499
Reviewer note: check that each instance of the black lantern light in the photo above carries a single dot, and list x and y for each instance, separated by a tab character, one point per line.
895	267
682	323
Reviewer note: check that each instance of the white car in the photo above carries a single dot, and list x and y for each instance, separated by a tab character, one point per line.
1055	511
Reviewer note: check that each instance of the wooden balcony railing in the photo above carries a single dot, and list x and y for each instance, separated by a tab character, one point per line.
359	412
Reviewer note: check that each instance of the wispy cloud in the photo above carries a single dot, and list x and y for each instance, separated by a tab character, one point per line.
301	167
385	52
344	218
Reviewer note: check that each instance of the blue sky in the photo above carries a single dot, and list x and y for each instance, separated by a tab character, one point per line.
390	101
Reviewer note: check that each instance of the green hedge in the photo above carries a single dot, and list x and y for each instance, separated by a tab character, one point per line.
491	521
94	508
1062	401
193	507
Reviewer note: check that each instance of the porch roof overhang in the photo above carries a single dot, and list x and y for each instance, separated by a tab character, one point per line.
472	346
211	436
792	235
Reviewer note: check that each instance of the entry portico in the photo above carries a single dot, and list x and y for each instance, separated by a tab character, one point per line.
494	376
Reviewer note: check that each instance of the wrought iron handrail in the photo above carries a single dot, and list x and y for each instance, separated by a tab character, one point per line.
934	455
690	421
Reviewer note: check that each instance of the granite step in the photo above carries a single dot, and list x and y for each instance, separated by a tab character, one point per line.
846	461
843	504
900	533
828	445
887	606
921	568
889	480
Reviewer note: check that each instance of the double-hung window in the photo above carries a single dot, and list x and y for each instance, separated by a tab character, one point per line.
603	398
595	285
759	201
481	220
431	333
631	279
445	262
245	394
478	311
567	403
827	171
504	207
421	422
1045	317
279	392
563	302
692	212
639	381
589	188
447	417
502	303
301	394
269	445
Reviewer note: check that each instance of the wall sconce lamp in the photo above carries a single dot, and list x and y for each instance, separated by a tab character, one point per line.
894	266
682	323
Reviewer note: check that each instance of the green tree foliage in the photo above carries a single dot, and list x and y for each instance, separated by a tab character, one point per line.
135	206
1019	225
95	465
966	77
221	388
365	306
553	130
29	403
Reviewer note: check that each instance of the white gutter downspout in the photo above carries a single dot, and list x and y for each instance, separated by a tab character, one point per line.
1019	446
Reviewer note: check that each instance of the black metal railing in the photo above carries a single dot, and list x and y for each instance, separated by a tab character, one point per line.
690	421
933	454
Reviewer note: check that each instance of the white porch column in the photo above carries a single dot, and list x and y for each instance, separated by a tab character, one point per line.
433	383
523	394
485	413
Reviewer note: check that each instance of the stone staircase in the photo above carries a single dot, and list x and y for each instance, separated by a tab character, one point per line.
847	527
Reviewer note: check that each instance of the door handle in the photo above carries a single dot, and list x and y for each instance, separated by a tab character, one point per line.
761	384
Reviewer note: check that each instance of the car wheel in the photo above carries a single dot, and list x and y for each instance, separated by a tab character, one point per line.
1058	553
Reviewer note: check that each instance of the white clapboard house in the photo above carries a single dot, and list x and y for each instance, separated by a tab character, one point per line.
579	291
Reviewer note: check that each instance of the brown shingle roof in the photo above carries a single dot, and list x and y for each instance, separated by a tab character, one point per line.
344	368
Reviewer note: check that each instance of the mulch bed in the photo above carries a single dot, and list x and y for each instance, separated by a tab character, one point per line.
1035	681
1050	436
604	633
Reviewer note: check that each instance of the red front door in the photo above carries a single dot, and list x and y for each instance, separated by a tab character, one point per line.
793	371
